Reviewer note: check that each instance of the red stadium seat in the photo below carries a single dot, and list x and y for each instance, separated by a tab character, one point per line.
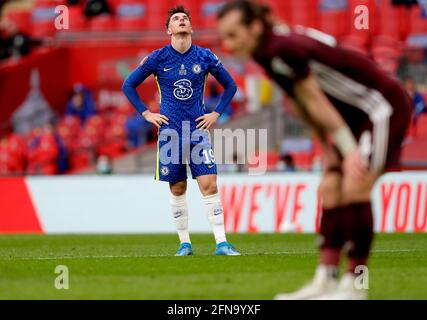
303	12
102	23
417	22
303	160
132	15
114	142
72	123
392	20
77	19
95	121
273	158
48	3
43	19
208	11
67	138
81	158
278	9
157	12
131	24
12	155
355	42
334	22
43	154
195	8
17	152
21	18
4	156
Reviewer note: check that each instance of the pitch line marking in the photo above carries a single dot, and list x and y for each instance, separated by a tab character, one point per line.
171	255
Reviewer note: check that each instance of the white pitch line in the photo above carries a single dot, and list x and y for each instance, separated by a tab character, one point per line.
170	255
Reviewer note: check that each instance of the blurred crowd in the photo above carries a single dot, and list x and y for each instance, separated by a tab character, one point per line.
14	42
80	137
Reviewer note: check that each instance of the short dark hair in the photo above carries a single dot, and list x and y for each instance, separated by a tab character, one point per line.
250	10
177	9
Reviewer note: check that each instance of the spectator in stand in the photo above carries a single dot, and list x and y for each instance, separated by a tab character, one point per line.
43	152
235	166
418	102
138	130
74	2
104	165
286	163
96	7
81	103
13	42
12	154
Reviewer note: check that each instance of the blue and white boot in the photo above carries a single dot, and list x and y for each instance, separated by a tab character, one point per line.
185	249
226	249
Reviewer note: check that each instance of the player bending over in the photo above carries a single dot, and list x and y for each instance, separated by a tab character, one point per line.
181	70
359	113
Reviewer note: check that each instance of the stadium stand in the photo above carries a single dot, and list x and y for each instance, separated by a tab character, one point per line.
71	145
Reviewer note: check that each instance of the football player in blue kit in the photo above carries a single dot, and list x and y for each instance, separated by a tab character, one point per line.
180	70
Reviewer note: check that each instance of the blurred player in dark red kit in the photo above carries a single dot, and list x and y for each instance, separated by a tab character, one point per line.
360	115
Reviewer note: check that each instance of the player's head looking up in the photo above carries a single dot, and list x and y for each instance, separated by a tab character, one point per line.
178	21
241	23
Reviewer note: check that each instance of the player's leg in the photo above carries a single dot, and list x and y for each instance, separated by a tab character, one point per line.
381	142
179	210
215	212
331	238
203	169
175	173
359	234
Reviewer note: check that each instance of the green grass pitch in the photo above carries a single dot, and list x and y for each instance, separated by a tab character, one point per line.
143	266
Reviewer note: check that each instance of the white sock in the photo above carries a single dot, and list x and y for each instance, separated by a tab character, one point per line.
215	214
180	216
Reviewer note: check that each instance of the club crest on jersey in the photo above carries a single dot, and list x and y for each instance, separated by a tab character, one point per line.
197	68
182	71
164	171
183	89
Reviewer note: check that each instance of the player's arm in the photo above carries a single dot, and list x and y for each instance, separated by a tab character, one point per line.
146	68
319	109
296	53
224	78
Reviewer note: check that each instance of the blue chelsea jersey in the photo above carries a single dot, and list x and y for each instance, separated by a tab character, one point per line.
181	80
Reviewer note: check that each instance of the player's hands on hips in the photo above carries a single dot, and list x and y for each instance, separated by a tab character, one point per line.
207	120
155	118
355	166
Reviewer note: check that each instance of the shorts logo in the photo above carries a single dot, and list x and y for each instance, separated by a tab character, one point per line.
197	68
164	171
183	90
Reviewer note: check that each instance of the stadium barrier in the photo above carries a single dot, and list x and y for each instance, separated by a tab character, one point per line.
276	202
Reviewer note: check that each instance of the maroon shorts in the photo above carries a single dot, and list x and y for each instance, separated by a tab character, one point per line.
380	127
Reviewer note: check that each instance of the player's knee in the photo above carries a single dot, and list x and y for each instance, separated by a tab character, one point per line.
179	188
352	192
209	188
330	191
